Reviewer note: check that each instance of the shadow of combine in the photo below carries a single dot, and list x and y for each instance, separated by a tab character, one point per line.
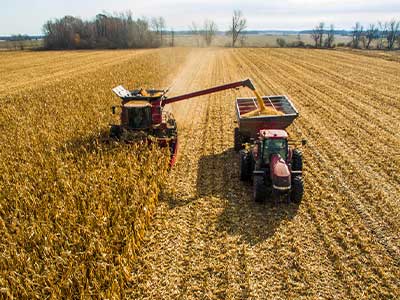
94	143
218	176
82	145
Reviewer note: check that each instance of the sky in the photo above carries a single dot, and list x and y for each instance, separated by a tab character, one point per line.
28	16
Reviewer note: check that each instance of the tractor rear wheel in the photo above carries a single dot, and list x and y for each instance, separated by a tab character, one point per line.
297	191
244	174
237	140
259	189
297	160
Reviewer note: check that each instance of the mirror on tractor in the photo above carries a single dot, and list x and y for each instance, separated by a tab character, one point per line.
113	109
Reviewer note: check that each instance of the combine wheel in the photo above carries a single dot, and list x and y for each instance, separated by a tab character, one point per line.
297	160
238	140
245	174
259	189
115	131
297	191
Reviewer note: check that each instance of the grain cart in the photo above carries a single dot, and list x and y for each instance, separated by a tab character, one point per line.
267	156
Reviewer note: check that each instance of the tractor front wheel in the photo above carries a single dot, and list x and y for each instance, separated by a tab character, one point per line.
297	191
259	189
297	160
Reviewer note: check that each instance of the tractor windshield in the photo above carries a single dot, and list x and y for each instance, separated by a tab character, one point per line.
274	146
139	117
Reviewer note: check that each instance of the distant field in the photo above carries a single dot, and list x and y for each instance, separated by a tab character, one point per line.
193	41
20	45
252	40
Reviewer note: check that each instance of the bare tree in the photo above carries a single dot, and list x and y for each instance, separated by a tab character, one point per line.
161	22
392	32
209	31
356	35
382	33
371	34
158	25
172	37
315	37
318	34
281	42
239	23
242	40
194	29
330	37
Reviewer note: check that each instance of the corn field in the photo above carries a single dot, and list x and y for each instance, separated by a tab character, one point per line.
83	217
73	208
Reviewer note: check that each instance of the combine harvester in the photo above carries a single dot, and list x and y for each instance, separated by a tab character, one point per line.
265	155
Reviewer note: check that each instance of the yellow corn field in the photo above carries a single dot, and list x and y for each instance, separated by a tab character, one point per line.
75	209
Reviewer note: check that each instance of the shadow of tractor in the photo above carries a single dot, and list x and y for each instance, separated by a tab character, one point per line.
83	145
218	176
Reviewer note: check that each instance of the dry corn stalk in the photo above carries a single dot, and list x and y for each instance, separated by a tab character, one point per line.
73	209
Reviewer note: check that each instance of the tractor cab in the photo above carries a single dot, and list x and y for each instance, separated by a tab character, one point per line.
273	142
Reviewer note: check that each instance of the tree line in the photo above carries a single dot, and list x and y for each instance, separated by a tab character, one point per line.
122	31
383	35
105	31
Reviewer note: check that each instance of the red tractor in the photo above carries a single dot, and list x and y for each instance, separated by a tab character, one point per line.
266	155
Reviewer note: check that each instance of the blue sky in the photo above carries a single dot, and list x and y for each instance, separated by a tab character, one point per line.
23	16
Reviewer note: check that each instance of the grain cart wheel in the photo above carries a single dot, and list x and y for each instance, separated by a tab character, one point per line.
237	140
259	189
297	160
297	191
244	174
115	131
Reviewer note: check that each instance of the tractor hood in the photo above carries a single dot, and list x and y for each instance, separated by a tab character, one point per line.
280	173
